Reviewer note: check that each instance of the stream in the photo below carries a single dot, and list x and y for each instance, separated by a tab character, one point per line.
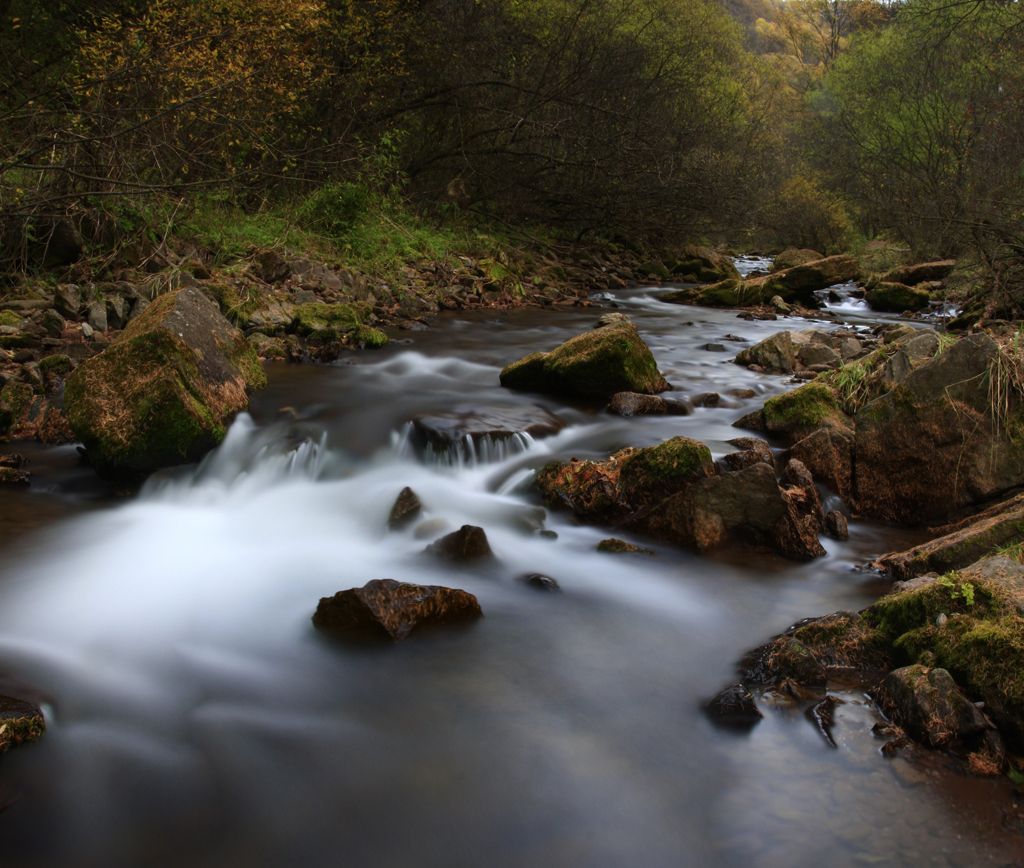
195	718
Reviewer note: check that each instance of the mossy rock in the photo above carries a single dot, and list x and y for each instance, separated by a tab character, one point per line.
59	365
369	337
615	546
11	319
15	400
698	264
594	364
803	410
165	390
793	256
980	641
652	474
20	722
731	292
328	322
897	298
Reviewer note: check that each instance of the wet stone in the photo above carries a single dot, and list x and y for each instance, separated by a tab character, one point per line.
468	543
407	509
734	707
540	582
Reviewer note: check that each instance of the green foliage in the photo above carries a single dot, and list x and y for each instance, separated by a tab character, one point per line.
335	209
958	588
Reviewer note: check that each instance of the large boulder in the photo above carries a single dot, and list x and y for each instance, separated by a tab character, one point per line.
389	609
921	272
793	256
696	264
894	297
932	444
596	364
674	492
165	390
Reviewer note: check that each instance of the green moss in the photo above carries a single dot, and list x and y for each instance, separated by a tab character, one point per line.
654	473
370	338
896	298
236	306
328	321
807	407
596	364
897	614
58	364
10	318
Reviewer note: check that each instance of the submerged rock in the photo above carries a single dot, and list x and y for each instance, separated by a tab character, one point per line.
20	722
734	707
164	391
540	582
595	364
468	543
386	608
614	546
636	404
463	431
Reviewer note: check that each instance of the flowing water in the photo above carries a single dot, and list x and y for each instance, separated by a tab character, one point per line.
195	718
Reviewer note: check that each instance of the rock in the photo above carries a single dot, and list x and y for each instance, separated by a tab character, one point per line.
635	404
96	315
959	545
273	318
775	354
777	304
745	505
839	644
706	399
469	432
715	348
752	450
468	543
14	475
266	347
928	704
87	331
540	582
734	707
803	411
164	391
823	716
608	319
792	256
828	454
922	272
836	525
812	355
53	323
58	244
897	298
595	364
697	264
20	722
270	267
67	300
118	309
407	508
930	445
385	608
614	546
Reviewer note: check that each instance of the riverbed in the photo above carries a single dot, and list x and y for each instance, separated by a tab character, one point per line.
196	718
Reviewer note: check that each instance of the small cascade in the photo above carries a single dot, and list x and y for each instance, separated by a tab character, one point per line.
469	450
